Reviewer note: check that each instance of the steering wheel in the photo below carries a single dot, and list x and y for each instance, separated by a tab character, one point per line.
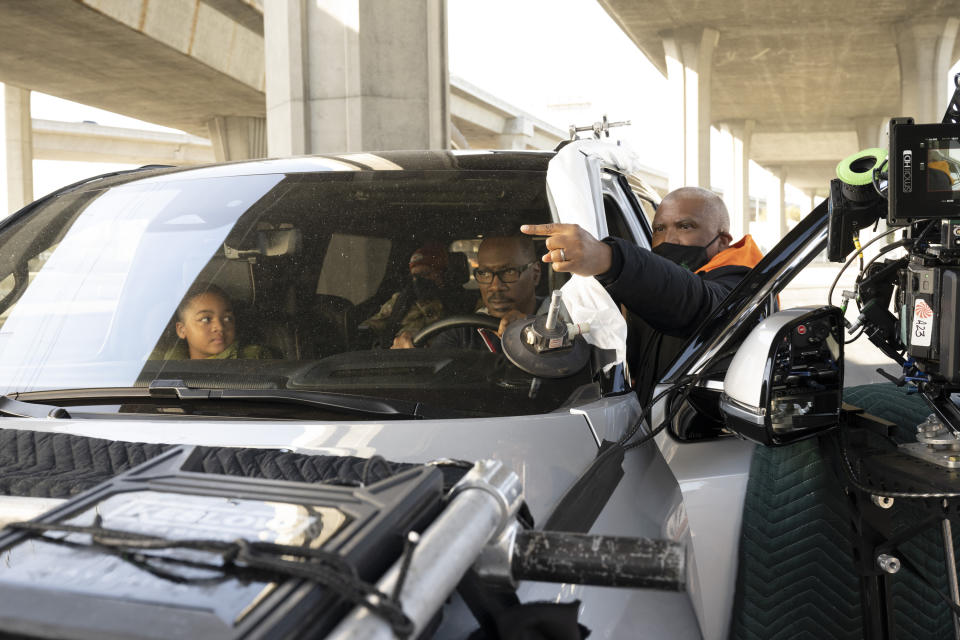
454	322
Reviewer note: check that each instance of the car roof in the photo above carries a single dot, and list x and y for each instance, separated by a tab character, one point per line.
436	160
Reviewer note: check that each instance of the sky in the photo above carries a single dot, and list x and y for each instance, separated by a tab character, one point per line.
563	61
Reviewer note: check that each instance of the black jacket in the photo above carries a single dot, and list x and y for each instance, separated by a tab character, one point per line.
665	303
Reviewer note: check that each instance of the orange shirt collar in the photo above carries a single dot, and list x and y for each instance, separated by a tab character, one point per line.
743	253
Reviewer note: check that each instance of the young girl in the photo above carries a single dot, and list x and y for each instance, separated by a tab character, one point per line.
205	321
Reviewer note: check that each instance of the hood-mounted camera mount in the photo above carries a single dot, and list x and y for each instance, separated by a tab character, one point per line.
545	346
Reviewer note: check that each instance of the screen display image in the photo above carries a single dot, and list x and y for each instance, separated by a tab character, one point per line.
943	164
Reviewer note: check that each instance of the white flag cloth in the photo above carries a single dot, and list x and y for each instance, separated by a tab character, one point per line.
586	300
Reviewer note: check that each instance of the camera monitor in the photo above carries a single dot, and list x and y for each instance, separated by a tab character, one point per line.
924	171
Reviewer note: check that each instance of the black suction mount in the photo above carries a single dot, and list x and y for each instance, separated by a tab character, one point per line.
545	346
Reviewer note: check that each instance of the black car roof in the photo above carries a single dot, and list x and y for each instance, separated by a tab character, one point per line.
439	160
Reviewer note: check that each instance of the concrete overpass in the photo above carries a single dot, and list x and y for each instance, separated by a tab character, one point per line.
799	85
200	66
481	121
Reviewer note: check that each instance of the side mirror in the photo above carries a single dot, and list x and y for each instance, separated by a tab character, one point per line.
786	380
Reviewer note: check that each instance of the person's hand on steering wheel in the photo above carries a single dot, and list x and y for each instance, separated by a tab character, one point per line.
404	340
510	316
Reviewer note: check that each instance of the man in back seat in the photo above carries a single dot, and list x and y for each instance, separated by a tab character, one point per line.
418	304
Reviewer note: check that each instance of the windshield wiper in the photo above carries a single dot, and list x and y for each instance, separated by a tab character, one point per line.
13	407
366	405
25	404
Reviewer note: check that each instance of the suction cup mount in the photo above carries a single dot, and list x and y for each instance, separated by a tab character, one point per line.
546	347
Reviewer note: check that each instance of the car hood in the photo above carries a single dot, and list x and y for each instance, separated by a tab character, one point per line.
547	451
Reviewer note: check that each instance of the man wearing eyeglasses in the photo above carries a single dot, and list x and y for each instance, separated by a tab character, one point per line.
507	273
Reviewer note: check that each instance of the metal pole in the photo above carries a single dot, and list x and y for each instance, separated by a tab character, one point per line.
488	495
951	573
554	310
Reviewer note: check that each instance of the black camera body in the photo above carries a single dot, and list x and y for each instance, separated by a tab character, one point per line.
928	313
924	194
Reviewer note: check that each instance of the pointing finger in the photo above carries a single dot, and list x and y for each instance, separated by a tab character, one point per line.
545	229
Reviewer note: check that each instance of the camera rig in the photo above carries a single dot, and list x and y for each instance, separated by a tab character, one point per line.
908	306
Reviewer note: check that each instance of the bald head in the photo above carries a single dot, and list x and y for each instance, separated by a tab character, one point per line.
693	216
710	206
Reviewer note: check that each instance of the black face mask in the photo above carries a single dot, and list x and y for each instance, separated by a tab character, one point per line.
688	257
425	289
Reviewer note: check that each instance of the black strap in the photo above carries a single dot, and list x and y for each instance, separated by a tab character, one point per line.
582	503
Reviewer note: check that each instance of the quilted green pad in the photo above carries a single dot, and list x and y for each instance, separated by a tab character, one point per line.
797	577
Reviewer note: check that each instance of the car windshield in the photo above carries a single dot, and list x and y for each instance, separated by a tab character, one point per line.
303	280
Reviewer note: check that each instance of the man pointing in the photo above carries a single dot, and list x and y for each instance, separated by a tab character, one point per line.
667	291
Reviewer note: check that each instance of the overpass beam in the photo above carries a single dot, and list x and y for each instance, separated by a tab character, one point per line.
689	57
349	75
18	127
238	137
925	52
738	202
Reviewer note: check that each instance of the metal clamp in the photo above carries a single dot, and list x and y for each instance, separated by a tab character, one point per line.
500	482
494	562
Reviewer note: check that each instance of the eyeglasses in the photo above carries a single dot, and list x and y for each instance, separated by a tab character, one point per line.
506	275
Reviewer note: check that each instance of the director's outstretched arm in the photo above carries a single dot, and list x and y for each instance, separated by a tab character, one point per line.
668	297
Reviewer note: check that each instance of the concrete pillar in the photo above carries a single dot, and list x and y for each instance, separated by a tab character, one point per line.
18	129
238	137
517	133
776	205
868	131
351	75
738	205
925	52
689	56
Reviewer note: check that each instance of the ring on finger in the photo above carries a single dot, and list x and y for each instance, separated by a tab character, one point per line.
563	256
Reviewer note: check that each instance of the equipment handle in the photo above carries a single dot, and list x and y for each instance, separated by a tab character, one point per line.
607	561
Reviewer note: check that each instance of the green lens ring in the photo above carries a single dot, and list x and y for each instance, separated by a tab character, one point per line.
857	170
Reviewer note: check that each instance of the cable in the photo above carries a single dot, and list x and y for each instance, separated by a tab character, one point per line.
926	229
855	481
688	381
850	261
890	247
854	338
856	245
875	179
324	567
